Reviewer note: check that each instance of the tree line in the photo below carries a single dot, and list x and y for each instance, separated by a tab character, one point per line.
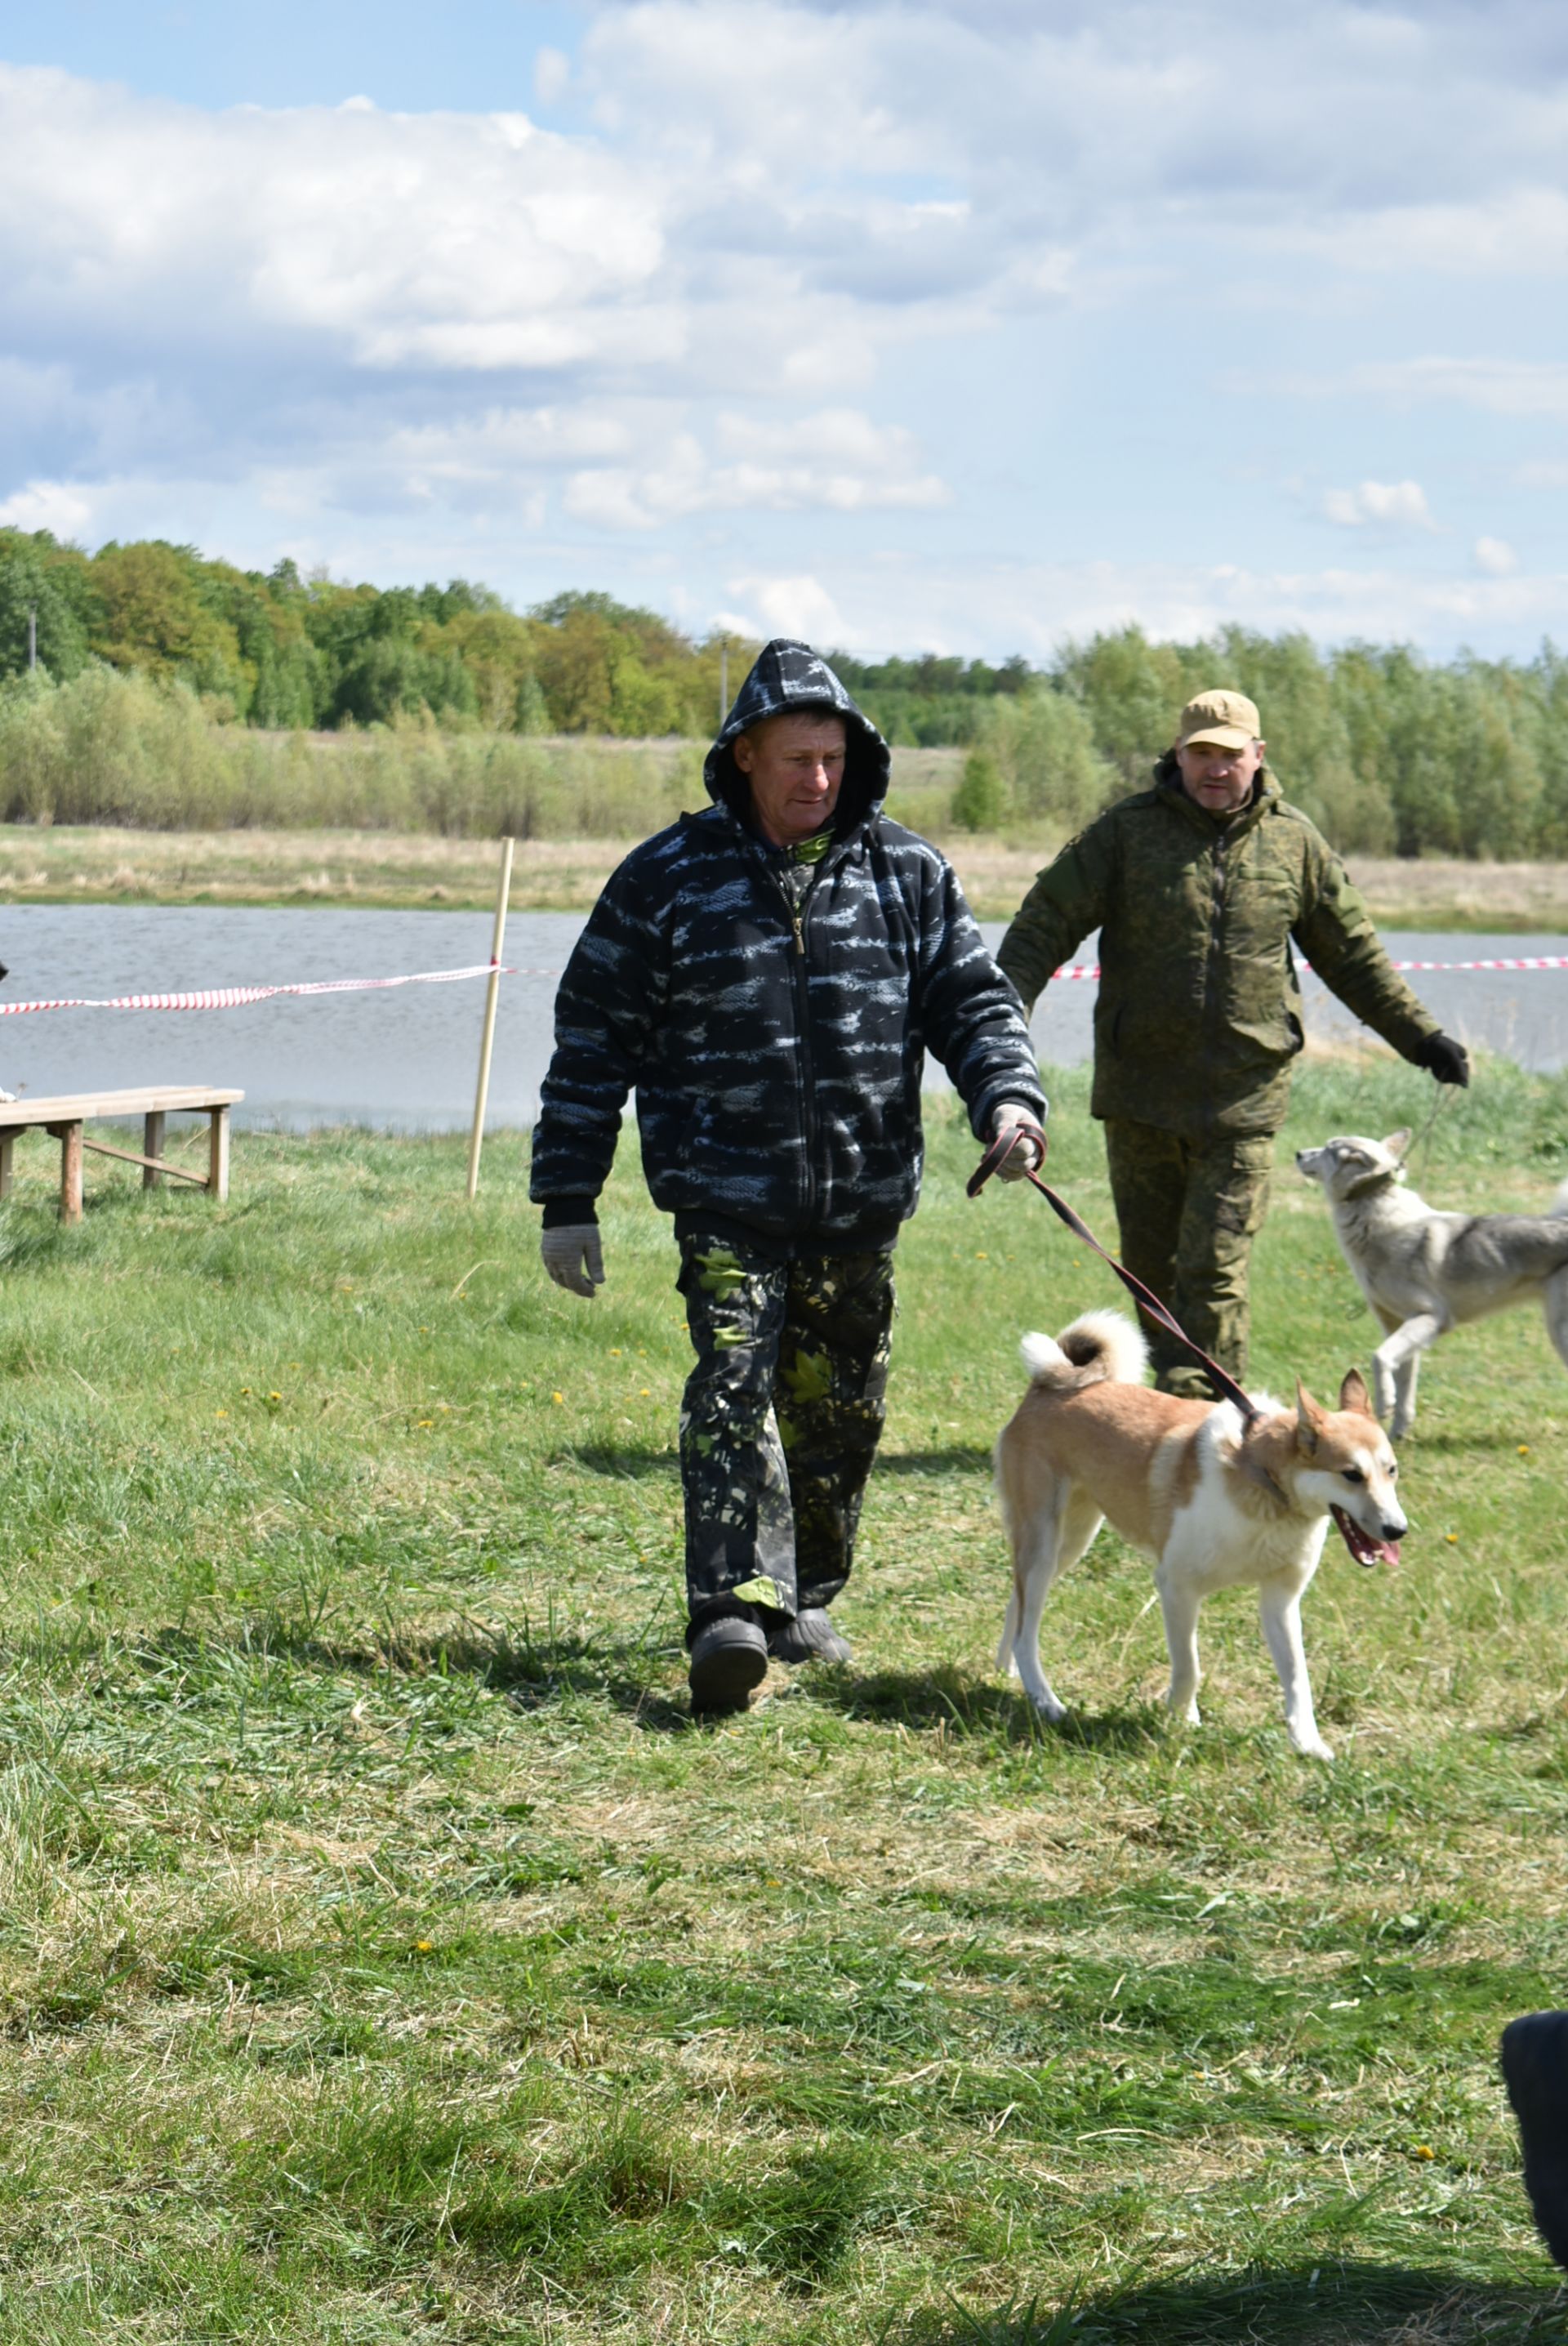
1388	751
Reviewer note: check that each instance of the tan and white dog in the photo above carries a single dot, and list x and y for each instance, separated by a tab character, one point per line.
1215	1506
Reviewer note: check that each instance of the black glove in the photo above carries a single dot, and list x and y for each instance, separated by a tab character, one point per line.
1446	1060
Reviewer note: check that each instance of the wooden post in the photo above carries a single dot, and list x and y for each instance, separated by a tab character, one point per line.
216	1154
152	1146
8	1143
487	1039
69	1137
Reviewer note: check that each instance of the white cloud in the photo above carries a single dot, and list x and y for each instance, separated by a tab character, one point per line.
47	504
897	604
470	241
1495	557
1522	387
838	460
788	607
552	73
1518	232
1387	504
790	234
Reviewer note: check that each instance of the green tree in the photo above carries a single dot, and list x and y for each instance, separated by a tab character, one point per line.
980	801
1043	746
152	616
1130	690
30	583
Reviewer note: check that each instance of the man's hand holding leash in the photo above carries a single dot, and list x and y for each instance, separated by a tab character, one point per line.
1012	1116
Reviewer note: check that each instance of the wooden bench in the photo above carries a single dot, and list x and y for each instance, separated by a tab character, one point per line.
65	1118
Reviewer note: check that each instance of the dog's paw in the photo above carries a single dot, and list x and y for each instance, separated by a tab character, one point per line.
1312	1746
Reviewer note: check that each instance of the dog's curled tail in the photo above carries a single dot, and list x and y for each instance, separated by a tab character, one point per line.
1099	1348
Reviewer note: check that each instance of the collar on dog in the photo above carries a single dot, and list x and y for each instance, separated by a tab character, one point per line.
1256	1472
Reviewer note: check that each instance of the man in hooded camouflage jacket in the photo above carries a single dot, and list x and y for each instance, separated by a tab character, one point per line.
1198	888
767	975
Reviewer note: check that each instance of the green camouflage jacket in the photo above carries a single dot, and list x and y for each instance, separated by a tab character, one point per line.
1200	1011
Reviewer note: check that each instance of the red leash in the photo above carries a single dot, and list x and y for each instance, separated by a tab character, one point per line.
997	1155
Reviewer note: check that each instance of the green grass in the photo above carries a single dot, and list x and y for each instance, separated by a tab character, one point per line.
384	1955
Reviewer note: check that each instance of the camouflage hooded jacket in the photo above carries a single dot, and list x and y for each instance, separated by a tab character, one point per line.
776	1052
1199	1017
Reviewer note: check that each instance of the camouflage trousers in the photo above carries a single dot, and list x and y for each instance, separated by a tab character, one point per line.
779	1421
1188	1211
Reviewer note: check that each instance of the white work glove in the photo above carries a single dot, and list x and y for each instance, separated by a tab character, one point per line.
1030	1154
573	1257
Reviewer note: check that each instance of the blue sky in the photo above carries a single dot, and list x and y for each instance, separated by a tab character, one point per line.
905	328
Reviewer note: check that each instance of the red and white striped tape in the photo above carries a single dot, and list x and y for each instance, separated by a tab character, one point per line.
1522	961
235	997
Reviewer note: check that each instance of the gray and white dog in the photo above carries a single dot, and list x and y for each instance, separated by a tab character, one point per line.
1424	1272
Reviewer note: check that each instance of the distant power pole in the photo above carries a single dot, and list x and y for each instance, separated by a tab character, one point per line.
723	679
32	635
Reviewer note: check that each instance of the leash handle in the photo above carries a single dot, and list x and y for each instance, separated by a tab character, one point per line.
997	1155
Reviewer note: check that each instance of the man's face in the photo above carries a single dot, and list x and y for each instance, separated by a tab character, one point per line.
795	766
1219	780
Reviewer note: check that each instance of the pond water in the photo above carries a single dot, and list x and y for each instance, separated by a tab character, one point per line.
407	1060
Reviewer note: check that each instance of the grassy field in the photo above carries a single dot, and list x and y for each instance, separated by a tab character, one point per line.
383	1955
87	865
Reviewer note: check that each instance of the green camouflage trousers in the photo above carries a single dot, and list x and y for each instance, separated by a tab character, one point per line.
1188	1212
779	1421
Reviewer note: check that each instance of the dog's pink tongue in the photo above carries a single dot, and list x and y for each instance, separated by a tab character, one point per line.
1362	1546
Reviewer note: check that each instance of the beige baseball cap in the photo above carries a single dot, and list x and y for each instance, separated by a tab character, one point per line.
1228	720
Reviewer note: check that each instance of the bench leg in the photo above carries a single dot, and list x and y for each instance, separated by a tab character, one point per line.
70	1171
8	1143
152	1146
218	1155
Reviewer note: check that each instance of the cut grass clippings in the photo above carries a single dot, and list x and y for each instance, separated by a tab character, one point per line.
385	1955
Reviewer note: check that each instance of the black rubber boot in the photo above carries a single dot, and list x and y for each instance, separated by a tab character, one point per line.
1535	2069
728	1657
810	1636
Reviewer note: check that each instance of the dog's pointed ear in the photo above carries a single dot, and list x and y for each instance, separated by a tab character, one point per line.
1397	1142
1309	1420
1354	1396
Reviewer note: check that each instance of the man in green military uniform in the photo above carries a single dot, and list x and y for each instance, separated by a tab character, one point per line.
1198	888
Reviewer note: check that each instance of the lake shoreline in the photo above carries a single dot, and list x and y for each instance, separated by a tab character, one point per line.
390	871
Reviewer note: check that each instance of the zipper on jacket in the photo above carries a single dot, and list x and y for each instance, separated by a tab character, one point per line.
799	913
1211	1004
